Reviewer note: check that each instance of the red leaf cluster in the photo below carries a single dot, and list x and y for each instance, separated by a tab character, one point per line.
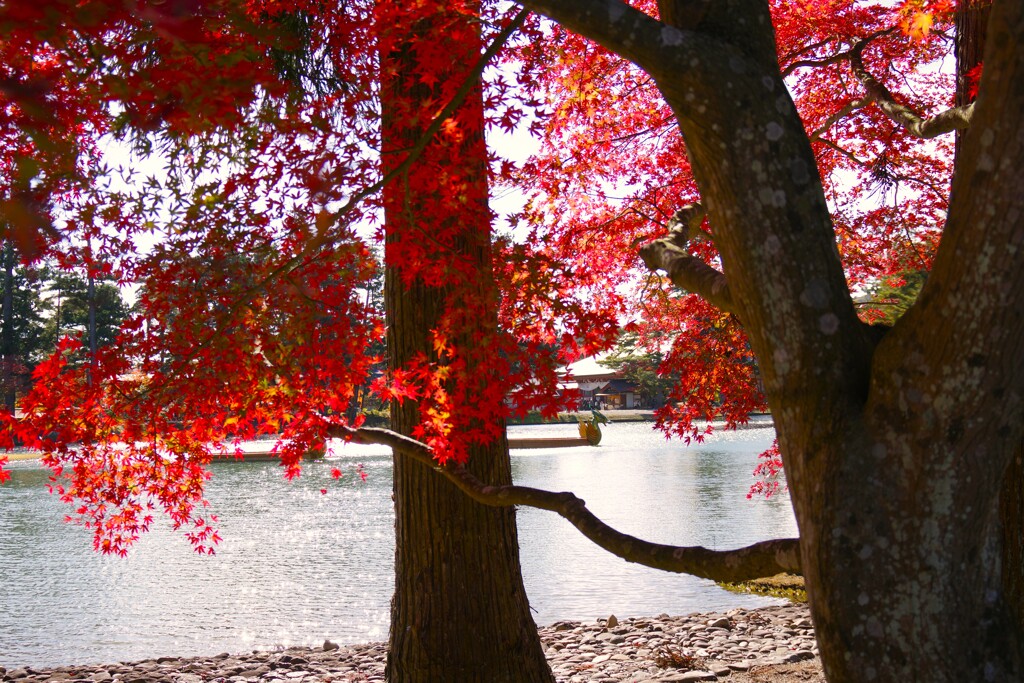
249	189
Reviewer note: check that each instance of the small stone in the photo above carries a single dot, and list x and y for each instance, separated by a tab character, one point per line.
188	678
799	656
254	673
576	652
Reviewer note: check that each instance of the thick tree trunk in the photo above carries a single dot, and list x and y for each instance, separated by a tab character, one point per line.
971	24
902	564
460	611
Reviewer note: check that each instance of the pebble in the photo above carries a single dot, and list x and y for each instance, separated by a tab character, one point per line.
661	649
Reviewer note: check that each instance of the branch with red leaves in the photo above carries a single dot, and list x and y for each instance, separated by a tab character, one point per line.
955	118
686	271
766	558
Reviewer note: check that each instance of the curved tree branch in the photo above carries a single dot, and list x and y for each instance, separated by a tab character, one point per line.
840	115
686	271
846	153
661	49
815	62
955	118
758	560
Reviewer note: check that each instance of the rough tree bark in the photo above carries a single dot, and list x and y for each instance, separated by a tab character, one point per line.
460	611
1011	514
971	23
895	450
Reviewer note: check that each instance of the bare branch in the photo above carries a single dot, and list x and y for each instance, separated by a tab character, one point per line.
955	118
830	59
758	560
789	58
686	271
810	63
848	154
839	116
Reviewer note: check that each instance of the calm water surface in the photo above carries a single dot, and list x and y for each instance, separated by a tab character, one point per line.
296	566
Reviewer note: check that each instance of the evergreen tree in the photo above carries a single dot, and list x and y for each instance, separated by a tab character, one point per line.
23	337
70	301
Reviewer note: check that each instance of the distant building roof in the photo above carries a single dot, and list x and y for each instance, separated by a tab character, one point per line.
589	367
620	386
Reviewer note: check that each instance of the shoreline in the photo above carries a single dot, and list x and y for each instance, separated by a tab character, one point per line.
757	420
614	416
738	646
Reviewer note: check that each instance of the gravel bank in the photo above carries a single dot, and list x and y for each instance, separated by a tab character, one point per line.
768	644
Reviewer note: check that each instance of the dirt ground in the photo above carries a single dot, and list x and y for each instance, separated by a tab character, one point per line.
801	672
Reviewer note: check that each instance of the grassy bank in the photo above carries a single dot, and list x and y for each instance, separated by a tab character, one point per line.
788	586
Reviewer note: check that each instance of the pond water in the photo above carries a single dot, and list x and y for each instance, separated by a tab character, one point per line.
296	566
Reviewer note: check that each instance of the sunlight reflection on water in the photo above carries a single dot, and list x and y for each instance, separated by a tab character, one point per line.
296	566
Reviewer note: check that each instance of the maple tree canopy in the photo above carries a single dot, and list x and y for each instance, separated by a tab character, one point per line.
223	158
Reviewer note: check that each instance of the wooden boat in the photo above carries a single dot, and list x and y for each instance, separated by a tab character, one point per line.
590	435
548	442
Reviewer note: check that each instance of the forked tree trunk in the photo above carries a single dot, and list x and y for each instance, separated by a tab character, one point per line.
895	451
460	611
896	446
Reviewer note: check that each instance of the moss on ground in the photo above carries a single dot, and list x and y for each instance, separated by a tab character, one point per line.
788	586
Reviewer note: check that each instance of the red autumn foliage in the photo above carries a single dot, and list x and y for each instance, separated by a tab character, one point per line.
611	172
250	194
